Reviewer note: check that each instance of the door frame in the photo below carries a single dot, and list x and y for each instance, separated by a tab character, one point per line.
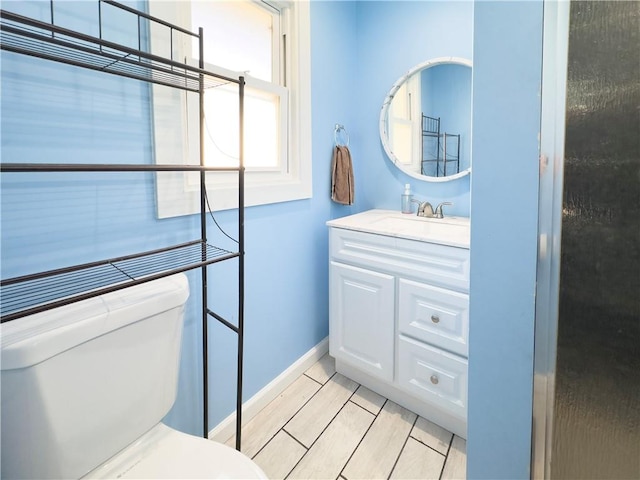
552	138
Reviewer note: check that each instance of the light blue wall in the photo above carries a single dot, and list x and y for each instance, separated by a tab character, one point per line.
334	65
503	39
358	50
504	188
287	244
54	113
393	37
446	94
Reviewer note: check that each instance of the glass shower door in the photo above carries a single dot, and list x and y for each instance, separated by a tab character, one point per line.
596	409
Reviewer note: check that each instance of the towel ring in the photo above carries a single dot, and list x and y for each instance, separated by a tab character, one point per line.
336	133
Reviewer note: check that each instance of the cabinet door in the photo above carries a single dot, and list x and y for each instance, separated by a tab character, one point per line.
361	319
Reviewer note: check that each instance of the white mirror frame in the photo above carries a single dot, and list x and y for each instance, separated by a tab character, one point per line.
384	135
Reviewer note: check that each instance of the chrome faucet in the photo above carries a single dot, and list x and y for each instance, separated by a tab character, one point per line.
425	209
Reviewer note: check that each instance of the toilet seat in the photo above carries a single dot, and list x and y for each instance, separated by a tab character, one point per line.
164	452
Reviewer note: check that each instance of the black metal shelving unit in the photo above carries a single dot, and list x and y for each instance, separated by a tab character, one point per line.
439	156
26	295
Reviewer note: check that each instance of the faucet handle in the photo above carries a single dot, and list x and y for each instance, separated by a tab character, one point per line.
438	212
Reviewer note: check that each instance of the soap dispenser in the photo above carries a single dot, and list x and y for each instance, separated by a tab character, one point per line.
406	199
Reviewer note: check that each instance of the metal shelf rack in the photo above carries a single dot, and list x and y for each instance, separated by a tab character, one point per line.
438	155
25	295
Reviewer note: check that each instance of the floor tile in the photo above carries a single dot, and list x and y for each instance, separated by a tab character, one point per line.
279	456
368	400
261	428
378	451
432	435
322	370
455	467
312	419
333	448
418	461
336	418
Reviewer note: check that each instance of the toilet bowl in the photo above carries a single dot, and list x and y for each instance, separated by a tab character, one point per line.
166	453
84	389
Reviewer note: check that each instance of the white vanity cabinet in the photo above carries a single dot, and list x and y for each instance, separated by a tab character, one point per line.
399	318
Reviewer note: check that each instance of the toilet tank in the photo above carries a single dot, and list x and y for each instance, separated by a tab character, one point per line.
81	382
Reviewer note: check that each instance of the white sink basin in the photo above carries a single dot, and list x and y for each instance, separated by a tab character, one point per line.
454	231
422	224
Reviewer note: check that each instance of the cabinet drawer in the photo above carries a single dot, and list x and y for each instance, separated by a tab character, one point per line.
443	265
434	315
433	375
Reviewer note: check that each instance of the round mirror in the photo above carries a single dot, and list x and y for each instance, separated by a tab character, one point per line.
425	122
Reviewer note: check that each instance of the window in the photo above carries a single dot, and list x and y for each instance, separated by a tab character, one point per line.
269	44
404	124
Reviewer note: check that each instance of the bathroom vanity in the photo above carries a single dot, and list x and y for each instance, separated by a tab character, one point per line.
399	309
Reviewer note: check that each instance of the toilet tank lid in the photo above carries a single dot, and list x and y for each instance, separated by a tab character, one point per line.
32	339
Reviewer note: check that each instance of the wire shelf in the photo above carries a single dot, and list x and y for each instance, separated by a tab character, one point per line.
101	167
40	39
22	296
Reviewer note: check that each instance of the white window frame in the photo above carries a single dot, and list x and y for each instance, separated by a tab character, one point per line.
176	130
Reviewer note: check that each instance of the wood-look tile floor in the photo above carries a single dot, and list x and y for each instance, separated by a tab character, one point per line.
325	426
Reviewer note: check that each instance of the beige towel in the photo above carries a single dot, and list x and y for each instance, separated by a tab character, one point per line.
342	188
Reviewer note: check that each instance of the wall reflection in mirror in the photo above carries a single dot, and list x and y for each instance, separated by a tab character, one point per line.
425	123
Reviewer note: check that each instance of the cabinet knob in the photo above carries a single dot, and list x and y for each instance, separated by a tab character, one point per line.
434	379
435	318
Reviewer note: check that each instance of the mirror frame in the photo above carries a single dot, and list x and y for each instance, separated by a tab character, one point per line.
384	136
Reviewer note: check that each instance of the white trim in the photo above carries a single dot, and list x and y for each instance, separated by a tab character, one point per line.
225	429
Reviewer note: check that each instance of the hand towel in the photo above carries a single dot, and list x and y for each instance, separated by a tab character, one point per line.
342	188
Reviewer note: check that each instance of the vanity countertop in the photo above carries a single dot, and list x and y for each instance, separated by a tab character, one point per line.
452	231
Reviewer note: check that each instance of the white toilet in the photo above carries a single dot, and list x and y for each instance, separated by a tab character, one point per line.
85	386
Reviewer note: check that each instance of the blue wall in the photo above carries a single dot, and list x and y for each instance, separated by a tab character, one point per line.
359	49
55	113
504	188
393	37
446	94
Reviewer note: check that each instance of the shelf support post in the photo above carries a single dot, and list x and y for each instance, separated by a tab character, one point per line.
240	263
203	233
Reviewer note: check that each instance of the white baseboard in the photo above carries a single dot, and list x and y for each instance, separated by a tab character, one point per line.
225	429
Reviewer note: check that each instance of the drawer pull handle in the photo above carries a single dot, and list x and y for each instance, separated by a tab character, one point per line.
434	379
435	318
